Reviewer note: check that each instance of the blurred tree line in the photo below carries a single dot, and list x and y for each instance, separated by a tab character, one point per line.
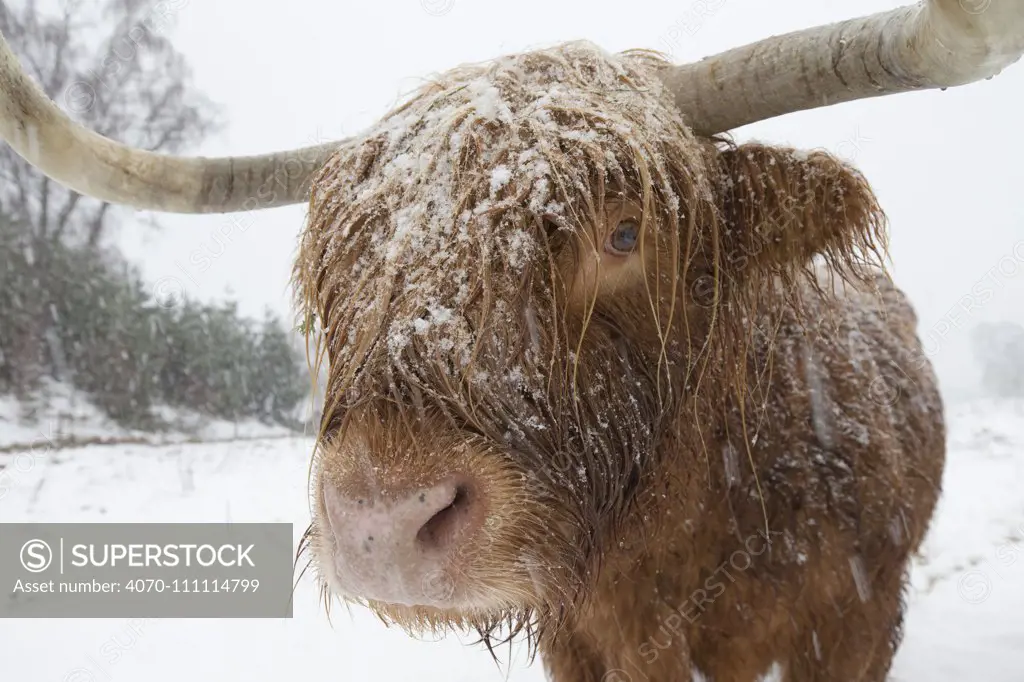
71	308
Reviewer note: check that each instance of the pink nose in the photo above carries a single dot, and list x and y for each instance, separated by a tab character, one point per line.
403	549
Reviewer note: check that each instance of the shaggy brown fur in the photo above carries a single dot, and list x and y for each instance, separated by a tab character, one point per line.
717	453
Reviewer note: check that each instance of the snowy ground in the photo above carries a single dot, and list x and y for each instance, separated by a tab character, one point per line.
966	619
58	413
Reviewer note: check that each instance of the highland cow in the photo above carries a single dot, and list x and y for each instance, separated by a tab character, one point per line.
597	375
646	396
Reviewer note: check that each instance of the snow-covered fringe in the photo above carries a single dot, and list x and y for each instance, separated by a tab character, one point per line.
477	178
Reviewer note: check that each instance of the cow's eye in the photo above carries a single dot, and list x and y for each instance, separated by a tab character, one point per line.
623	238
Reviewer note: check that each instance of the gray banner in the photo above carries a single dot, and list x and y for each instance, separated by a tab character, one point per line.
146	570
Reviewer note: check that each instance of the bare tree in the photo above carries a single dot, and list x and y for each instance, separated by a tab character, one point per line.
111	65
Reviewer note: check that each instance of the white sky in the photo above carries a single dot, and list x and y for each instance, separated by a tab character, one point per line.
947	166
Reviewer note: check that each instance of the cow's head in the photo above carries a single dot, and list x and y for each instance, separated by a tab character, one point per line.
517	276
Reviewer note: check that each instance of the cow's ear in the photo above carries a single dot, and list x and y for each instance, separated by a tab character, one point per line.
780	207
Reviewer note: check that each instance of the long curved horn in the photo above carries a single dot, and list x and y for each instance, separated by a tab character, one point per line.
96	166
933	44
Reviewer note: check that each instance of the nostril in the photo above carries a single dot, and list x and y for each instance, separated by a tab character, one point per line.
444	526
